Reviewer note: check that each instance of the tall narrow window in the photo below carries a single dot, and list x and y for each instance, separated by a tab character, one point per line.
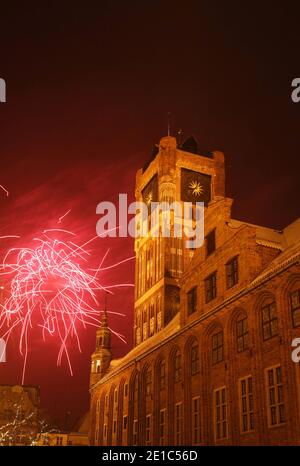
195	358
196	420
217	347
295	306
136	390
148	429
177	367
135	432
148	382
269	321
220	405
178	423
210	287
97	435
145	324
125	422
242	336
232	273
210	243
246	404
275	396
162	374
192	300
162	427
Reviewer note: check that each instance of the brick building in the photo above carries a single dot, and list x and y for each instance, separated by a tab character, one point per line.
213	326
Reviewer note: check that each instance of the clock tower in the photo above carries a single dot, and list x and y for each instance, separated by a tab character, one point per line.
179	173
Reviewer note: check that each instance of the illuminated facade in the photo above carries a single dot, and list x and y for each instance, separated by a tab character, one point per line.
213	326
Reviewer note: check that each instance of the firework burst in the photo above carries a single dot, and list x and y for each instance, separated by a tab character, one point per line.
50	287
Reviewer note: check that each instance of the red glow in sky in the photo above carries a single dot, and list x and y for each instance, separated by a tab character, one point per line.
89	89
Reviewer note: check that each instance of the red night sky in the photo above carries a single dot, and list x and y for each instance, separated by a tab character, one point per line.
89	88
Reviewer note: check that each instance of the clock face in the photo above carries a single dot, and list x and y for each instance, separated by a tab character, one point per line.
195	186
150	192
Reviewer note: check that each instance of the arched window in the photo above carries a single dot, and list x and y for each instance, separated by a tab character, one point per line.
148	382
295	307
195	367
136	389
269	320
242	334
177	366
162	374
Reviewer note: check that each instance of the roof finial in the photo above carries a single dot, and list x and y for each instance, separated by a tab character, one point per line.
169	122
104	312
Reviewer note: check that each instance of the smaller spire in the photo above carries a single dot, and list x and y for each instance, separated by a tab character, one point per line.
104	317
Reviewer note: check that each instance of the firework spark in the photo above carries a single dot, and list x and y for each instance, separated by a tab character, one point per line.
63	216
5	190
51	290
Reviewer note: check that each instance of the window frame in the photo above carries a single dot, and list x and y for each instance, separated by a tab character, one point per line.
192	300
249	404
177	365
296	309
277	404
215	348
232	273
244	336
210	287
268	323
195	360
223	419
